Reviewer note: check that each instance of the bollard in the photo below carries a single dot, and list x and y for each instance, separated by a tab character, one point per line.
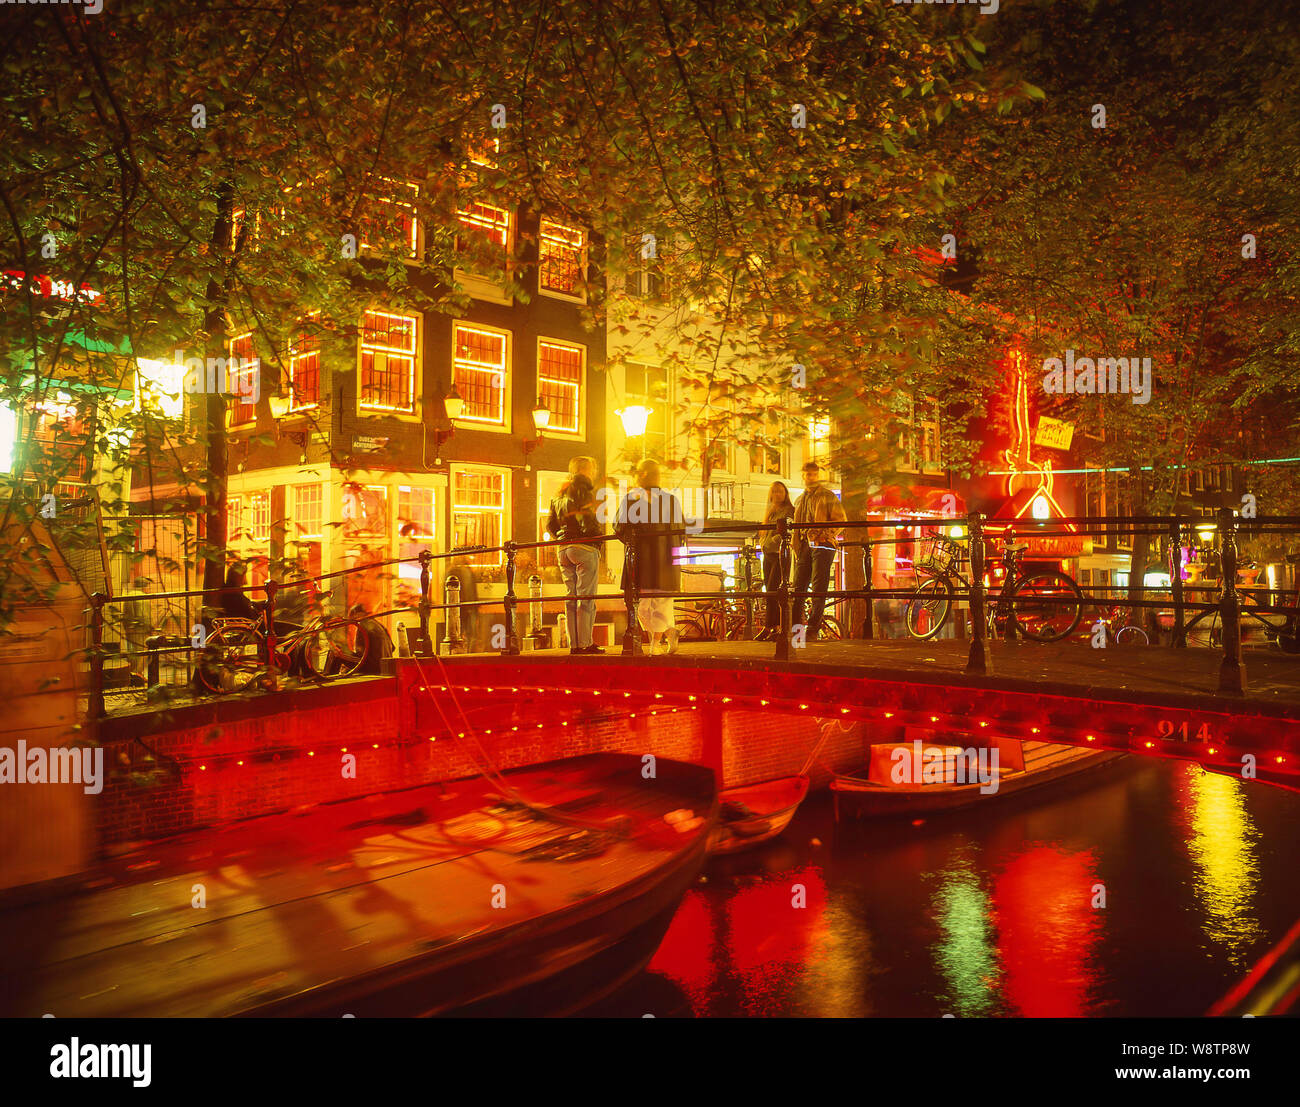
783	639
978	660
631	636
451	590
868	622
1232	670
151	647
1176	583
97	601
511	602
535	610
424	645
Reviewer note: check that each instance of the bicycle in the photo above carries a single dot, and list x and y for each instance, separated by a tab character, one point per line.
233	653
722	618
1013	604
1284	634
1126	633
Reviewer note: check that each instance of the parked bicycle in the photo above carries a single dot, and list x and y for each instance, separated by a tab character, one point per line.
722	618
1281	630
1027	599
236	653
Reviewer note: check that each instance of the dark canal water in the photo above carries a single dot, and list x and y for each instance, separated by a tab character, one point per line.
988	912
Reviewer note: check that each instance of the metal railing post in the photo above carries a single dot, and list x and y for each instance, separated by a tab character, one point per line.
783	639
868	616
96	705
978	659
151	645
1232	670
270	588
511	602
632	635
425	645
1176	584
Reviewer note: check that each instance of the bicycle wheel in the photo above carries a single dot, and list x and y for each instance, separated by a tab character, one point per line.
1129	636
693	626
929	607
230	659
1036	616
336	647
831	630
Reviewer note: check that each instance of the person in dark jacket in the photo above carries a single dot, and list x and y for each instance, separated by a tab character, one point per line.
651	522
572	520
778	507
233	600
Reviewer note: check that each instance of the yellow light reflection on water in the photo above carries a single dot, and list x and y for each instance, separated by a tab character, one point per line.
1222	844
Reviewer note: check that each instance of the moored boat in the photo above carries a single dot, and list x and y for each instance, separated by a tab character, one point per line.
535	893
932	777
756	813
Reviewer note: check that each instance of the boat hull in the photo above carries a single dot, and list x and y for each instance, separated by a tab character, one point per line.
773	803
860	798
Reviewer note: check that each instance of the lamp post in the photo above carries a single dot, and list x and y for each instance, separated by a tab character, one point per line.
452	405
279	405
541	420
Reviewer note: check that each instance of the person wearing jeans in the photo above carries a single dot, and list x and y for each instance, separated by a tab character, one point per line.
573	518
778	507
814	548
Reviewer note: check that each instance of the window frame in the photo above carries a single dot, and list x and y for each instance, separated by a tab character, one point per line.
507	373
485	286
455	469
365	410
584	254
416	233
579	431
234	402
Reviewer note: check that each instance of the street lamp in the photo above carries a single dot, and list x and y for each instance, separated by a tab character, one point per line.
452	405
541	420
635	418
279	405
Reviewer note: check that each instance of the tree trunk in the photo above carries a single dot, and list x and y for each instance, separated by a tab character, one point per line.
214	406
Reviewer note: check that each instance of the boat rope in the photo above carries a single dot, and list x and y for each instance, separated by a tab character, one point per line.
615	824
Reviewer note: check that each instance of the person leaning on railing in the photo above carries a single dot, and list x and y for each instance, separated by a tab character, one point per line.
778	507
814	547
573	518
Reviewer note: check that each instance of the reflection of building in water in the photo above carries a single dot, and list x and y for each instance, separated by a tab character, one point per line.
1223	844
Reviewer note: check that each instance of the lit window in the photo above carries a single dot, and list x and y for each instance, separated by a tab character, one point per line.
559	384
480	374
159	388
415	529
388	361
647	385
389	225
259	517
478	502
766	455
482	236
415	511
819	439
243	378
307	515
235	519
304	369
561	253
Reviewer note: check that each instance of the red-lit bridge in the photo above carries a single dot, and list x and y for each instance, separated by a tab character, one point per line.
1149	701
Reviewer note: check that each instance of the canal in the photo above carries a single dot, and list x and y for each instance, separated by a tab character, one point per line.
989	912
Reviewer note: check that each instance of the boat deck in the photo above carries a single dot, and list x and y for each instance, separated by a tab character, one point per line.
301	902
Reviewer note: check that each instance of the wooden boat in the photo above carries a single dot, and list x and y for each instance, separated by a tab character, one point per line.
449	899
1022	765
756	813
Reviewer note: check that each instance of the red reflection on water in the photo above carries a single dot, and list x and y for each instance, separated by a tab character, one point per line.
686	953
1047	930
756	936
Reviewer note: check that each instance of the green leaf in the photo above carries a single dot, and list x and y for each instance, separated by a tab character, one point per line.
888	144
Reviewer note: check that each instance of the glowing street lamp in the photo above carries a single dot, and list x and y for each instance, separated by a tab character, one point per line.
635	419
541	420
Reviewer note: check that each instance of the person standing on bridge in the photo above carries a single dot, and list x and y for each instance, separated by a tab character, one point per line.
814	547
573	521
651	520
778	507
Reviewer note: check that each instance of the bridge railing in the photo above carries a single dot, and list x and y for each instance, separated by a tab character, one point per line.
109	617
